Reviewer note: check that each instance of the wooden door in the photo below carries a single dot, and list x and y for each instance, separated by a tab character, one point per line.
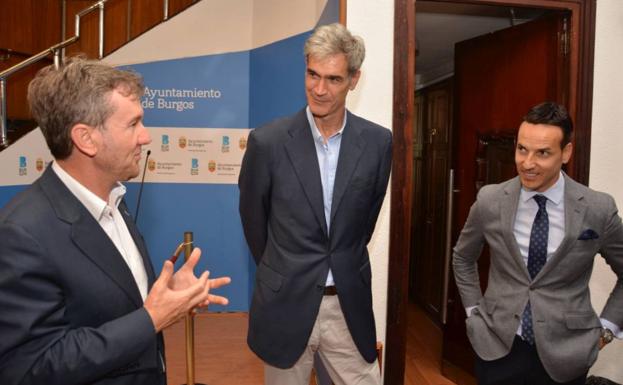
498	77
431	168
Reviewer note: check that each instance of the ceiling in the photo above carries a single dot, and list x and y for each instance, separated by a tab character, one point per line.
440	25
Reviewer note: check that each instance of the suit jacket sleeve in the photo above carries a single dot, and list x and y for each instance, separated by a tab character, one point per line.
381	184
254	184
38	343
612	250
465	256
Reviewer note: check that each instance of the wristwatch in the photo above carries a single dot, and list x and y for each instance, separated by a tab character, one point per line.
606	336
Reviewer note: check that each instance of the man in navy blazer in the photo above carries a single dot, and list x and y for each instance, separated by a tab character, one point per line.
79	300
311	187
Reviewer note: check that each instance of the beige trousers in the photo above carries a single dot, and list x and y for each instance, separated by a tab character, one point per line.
332	340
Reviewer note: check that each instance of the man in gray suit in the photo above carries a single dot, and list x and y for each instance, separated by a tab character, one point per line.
311	187
535	323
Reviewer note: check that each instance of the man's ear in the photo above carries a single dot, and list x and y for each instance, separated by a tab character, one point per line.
85	138
354	78
566	153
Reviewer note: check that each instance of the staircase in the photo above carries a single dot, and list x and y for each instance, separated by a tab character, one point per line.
37	33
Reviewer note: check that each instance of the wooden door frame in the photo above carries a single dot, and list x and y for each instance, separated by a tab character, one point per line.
582	16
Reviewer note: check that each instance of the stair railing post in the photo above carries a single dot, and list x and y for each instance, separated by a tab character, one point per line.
57	58
63	25
4	141
101	29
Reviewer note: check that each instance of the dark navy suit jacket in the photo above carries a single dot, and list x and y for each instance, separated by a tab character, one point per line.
71	312
282	212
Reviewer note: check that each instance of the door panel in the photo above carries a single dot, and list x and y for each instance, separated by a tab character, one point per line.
498	77
418	192
432	150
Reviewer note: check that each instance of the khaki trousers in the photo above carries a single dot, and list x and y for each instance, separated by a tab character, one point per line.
332	340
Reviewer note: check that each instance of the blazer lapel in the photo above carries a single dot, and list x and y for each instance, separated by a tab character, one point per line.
575	209
351	148
139	242
508	210
302	153
89	236
96	245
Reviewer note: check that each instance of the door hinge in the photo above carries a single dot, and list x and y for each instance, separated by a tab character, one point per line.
565	40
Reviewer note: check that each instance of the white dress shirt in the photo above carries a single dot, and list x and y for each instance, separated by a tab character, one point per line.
108	216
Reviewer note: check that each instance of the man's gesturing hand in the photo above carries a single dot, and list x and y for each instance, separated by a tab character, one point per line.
175	294
185	277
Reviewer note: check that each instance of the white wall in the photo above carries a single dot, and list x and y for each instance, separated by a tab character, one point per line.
373	20
208	27
606	156
273	19
215	26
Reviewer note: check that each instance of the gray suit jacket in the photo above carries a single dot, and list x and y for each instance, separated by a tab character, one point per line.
71	312
282	212
566	328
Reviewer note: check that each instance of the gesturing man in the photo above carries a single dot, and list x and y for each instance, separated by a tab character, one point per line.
79	300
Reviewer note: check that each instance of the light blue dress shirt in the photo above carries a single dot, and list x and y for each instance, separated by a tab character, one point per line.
328	153
526	212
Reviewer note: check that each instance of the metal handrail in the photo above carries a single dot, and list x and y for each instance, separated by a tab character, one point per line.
57	51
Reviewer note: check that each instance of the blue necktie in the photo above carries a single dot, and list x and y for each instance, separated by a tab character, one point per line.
537	255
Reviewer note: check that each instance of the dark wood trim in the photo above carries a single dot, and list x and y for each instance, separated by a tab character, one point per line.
581	81
584	110
401	191
343	12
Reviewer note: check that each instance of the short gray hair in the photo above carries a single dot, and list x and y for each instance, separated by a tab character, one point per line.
328	40
77	92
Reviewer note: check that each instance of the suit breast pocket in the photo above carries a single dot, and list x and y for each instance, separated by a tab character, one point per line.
360	192
361	183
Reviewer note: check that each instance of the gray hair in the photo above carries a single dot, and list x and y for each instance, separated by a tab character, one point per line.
328	40
77	92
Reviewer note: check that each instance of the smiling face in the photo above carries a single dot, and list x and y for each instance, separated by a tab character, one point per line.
327	83
539	156
121	138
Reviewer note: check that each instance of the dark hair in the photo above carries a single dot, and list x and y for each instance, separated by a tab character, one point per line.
552	114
